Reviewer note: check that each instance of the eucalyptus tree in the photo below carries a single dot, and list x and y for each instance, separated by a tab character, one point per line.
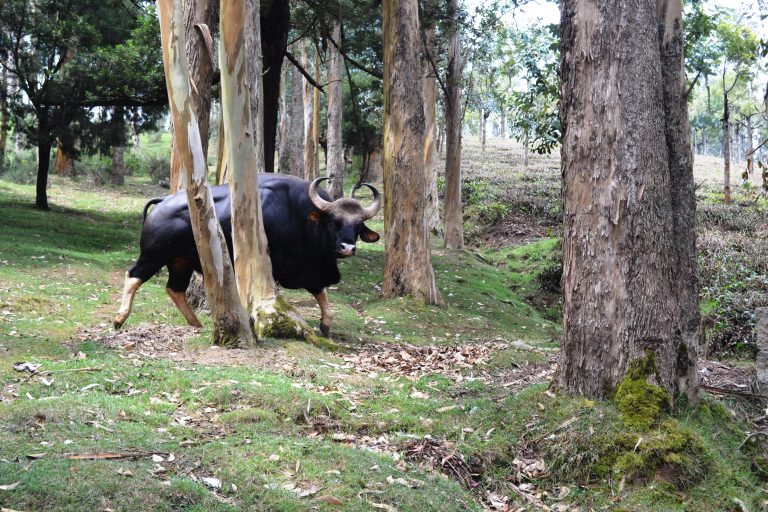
630	283
407	260
739	47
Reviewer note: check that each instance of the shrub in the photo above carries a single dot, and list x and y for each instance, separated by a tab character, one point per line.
20	167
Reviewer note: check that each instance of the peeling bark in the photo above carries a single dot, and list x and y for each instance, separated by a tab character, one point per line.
242	110
231	326
310	152
430	144
407	259
629	278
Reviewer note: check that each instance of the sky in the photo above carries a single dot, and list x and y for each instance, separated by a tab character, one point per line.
547	12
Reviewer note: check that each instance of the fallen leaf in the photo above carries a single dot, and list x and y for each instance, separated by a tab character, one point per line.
331	500
213	483
9	487
124	472
303	493
447	408
274	457
90	386
26	367
341	436
384	506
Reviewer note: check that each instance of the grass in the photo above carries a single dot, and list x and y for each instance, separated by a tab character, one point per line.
298	420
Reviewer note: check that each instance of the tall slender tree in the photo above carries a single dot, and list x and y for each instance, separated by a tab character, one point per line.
311	95
430	146
242	110
454	220
335	157
408	259
629	279
231	324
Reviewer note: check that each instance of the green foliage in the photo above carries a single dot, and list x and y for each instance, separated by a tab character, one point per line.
481	197
19	167
733	265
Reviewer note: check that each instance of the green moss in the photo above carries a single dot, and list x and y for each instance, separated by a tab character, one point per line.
672	453
641	404
280	320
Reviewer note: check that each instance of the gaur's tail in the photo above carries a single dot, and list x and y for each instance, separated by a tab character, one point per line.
152	201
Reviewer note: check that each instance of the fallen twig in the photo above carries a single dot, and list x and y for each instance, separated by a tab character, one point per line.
750	436
724	391
111	455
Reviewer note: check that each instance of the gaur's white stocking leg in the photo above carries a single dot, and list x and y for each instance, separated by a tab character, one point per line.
129	291
325	312
180	299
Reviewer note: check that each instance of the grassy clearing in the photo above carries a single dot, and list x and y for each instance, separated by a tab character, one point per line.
298	428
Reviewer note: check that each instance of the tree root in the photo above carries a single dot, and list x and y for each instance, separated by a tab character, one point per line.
278	319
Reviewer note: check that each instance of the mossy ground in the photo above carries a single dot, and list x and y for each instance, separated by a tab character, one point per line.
266	430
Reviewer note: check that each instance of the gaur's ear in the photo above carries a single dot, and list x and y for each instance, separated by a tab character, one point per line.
368	235
315	216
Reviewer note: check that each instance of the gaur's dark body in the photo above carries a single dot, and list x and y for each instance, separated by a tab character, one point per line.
303	251
305	235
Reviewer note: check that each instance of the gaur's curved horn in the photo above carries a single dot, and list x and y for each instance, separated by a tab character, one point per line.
319	203
371	210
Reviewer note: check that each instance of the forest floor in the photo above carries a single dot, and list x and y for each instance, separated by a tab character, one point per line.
431	409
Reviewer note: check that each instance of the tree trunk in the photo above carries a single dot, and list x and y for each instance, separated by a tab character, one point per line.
407	256
284	117
231	325
293	160
221	161
683	197
726	149
626	274
65	159
117	171
275	24
375	171
335	154
177	180
242	109
454	221
525	150
4	113
430	146
310	93
750	149
316	115
253	268
43	162
503	123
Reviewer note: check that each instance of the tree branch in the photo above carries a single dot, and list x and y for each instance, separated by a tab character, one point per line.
352	61
433	64
303	71
758	147
693	84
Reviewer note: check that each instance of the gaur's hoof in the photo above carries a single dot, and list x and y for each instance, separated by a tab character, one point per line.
118	324
325	329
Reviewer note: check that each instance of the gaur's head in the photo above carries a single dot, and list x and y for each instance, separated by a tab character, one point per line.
346	217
